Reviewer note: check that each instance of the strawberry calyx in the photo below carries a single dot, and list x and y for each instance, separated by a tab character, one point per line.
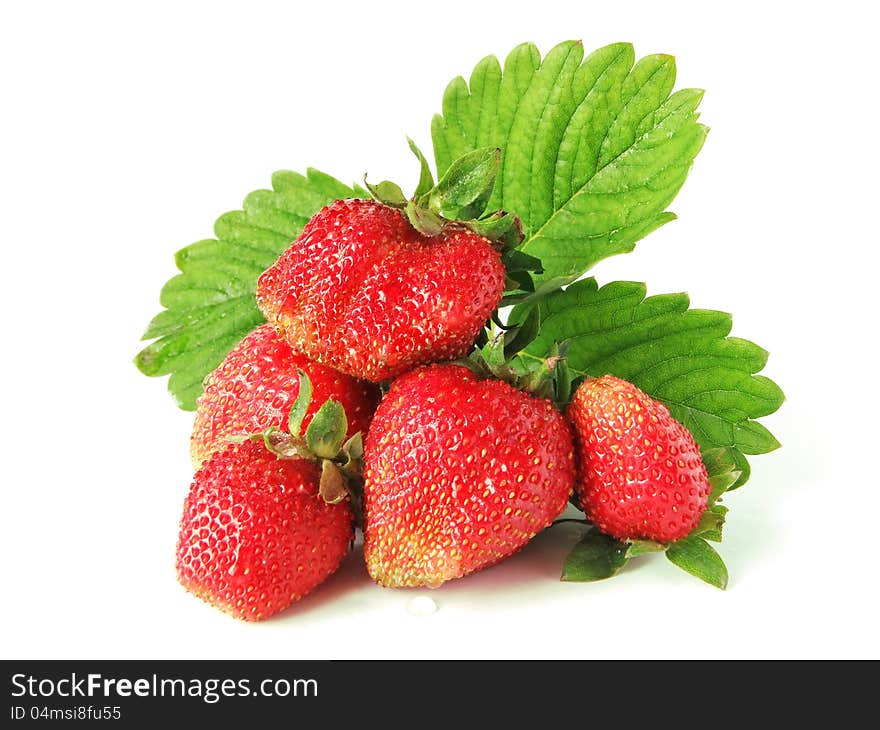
323	441
460	198
500	354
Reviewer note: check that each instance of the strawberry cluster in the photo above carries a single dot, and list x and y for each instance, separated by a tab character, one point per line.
364	402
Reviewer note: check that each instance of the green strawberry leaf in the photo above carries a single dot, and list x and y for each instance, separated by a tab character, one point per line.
696	556
680	356
594	148
210	305
595	557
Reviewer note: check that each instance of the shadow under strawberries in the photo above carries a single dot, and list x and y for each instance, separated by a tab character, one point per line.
538	563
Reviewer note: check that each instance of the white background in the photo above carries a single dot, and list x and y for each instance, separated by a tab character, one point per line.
126	129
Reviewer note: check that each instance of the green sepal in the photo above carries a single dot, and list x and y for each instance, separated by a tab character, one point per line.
506	229
352	456
517	297
341	463
696	556
497	356
493	357
541	378
519	267
744	468
635	548
459	198
711	523
724	468
326	431
300	405
721	483
515	260
595	557
425	221
518	337
426	179
718	460
562	383
354	447
387	192
463	192
518	281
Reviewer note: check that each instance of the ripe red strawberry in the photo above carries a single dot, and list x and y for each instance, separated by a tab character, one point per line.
460	473
255	536
640	474
362	291
254	388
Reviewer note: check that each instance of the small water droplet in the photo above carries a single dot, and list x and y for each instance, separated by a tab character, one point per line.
421	606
